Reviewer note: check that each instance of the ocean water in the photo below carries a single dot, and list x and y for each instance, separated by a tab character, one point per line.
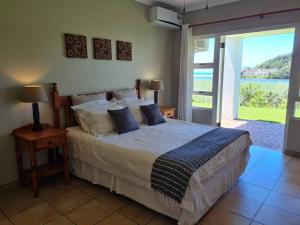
209	76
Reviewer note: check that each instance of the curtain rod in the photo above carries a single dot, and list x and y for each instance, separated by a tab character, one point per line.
261	15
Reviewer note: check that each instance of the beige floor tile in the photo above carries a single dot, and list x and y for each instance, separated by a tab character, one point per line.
2	216
290	176
293	166
241	205
218	216
268	215
288	188
17	199
51	190
116	219
260	180
76	181
38	214
268	171
114	201
94	190
4	220
89	213
69	200
162	220
250	191
284	202
138	213
61	220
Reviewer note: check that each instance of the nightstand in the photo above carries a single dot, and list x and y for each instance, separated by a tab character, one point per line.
35	141
167	111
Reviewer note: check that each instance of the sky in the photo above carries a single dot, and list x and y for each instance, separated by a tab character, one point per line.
256	50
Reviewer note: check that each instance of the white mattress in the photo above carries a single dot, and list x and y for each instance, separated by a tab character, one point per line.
130	156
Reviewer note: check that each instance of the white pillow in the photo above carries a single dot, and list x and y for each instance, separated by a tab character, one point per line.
125	93
94	117
96	122
134	107
97	104
79	99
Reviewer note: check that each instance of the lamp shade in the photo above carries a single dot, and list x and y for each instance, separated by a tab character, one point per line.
156	85
34	93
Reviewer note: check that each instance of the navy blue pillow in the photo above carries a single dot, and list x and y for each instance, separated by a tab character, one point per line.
124	120
152	114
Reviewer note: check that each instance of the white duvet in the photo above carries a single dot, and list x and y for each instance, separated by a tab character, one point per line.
131	155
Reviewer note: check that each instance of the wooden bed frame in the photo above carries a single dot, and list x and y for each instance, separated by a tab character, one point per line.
64	103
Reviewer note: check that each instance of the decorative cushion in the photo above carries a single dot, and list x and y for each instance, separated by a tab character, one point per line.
79	99
125	93
152	114
124	120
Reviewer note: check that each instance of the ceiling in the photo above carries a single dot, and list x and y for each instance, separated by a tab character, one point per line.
190	4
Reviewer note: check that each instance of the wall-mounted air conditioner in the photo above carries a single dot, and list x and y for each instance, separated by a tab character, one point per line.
165	18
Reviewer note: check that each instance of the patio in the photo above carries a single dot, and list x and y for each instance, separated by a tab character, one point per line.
264	134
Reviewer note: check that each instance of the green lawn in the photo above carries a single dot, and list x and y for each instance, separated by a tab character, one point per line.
276	115
262	114
297	113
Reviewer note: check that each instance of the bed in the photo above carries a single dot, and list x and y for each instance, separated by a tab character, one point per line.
124	163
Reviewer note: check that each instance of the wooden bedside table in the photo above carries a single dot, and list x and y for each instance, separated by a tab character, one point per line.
33	142
168	112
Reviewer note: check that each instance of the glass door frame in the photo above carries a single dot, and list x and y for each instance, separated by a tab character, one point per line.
215	93
294	87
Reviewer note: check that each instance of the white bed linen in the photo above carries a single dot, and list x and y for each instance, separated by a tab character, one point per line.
130	156
213	188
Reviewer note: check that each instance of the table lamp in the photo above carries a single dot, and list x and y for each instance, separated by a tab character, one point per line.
156	85
34	94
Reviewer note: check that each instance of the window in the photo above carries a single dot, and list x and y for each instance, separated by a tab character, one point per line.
204	50
297	110
203	72
203	79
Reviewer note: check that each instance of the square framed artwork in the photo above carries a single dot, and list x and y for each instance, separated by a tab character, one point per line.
124	51
75	46
102	49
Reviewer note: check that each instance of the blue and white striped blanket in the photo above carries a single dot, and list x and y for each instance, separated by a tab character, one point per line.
172	171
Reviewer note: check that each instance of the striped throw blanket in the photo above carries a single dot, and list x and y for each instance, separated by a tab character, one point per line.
172	171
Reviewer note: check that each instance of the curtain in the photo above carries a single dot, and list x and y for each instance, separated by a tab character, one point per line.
185	75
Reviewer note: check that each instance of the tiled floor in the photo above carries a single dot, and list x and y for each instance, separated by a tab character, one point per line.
268	135
268	193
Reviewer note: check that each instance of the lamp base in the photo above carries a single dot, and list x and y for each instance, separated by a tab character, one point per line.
36	117
155	97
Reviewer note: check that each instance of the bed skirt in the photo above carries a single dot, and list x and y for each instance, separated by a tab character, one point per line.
213	188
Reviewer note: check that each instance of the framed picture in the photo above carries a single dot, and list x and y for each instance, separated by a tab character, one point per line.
75	46
124	51
102	49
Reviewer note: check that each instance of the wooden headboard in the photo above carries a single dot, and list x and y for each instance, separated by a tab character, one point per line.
63	104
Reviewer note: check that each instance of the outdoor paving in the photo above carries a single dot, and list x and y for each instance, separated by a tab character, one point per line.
264	134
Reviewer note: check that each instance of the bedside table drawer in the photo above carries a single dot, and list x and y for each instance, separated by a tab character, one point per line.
50	142
168	114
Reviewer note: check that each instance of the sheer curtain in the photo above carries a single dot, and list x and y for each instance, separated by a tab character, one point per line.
186	75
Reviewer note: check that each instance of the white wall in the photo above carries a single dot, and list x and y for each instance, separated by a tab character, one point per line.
32	51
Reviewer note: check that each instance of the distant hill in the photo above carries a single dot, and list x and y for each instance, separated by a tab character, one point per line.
281	63
276	68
